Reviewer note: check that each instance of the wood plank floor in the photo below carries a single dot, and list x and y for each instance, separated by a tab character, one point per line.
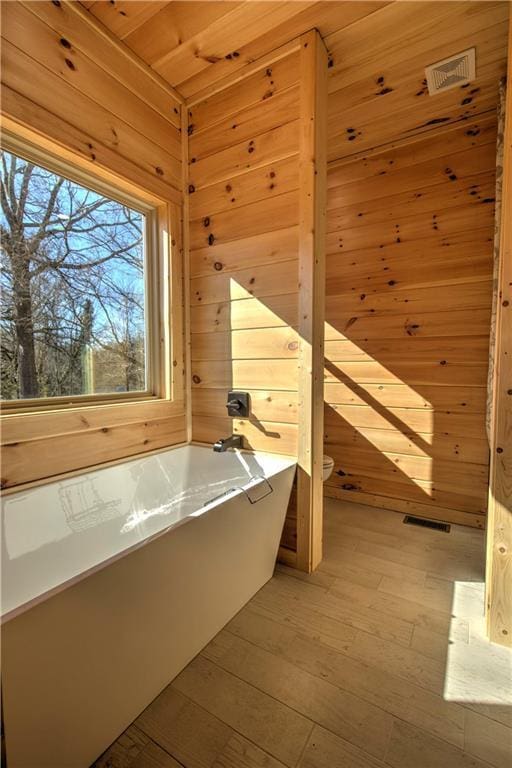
347	668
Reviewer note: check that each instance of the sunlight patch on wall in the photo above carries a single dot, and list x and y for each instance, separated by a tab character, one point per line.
377	410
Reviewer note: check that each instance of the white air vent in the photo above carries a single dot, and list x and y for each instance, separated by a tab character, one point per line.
451	72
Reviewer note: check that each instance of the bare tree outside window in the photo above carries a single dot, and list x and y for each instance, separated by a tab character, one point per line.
72	280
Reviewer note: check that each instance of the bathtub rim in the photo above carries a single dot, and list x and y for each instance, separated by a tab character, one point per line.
12	613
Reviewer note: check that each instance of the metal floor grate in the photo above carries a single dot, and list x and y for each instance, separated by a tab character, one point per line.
421	521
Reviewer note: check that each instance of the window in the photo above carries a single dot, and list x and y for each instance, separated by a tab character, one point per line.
76	288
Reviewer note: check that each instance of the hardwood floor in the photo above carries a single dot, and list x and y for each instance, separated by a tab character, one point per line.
376	660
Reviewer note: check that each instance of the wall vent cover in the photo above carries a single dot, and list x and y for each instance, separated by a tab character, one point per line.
452	72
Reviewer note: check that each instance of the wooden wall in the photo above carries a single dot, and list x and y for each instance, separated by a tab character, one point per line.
66	82
498	598
409	262
257	180
244	216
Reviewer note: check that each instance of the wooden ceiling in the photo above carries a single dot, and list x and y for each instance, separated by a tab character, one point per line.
377	54
191	44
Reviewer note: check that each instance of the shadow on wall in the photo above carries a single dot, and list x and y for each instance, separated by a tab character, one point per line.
253	347
405	401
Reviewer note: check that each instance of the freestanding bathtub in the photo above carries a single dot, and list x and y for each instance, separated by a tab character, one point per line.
112	581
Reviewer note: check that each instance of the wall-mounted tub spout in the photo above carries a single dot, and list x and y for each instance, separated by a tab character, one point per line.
235	441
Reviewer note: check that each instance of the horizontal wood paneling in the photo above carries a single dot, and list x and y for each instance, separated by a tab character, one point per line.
245	374
263	85
469	295
273	311
399	395
270	436
80	30
244	215
79	89
273	406
474	189
380	96
269	147
472	519
412	420
409	272
72	87
265	248
84	74
263	216
30	460
254	344
424	492
263	116
261	184
259	282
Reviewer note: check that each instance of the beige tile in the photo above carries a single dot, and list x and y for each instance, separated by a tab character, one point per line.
286	594
453	563
153	756
123	751
240	753
338	557
275	727
337	529
402	662
365	669
317	579
305	620
488	740
407	610
335	565
432	645
340	711
435	645
271	635
325	750
414	748
343	668
174	721
434	593
500	713
391	694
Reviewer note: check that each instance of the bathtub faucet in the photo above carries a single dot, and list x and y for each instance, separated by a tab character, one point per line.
235	441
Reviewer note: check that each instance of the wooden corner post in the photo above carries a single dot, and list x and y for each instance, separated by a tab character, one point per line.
312	215
499	527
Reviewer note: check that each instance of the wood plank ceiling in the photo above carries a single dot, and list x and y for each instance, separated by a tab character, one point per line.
378	52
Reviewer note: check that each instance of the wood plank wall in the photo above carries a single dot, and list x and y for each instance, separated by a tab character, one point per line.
244	216
66	79
498	598
409	265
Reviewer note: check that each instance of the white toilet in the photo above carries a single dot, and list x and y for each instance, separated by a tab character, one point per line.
328	466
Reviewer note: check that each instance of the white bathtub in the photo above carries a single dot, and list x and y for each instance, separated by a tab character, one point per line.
114	580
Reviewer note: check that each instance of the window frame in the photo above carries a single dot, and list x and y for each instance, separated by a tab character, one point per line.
157	278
